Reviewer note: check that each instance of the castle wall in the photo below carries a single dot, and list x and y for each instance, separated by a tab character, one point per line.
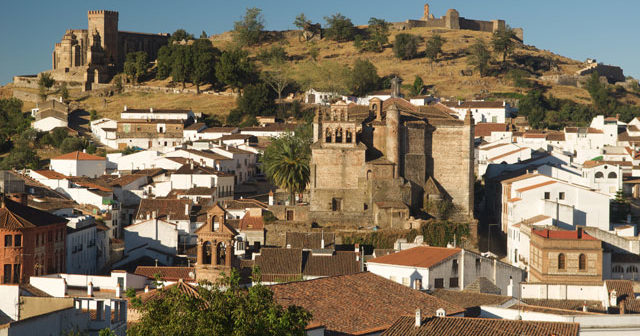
478	25
453	163
132	42
106	24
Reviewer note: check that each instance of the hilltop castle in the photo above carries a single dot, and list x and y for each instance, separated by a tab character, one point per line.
93	55
379	164
453	20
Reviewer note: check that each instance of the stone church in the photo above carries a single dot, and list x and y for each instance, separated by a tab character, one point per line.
92	55
382	163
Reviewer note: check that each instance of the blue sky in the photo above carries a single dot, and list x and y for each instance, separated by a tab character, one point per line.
603	30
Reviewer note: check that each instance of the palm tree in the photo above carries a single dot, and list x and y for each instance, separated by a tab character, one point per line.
286	163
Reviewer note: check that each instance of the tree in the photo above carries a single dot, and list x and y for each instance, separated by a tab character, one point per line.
255	100
620	207
204	59
22	155
64	91
314	50
106	332
278	78
45	83
339	28
72	144
182	65
434	47
235	68
364	77
479	57
502	42
204	35
600	94
286	163
223	308
275	54
301	21
12	122
180	35
136	65
164	61
378	34
533	106
406	46
248	31
418	85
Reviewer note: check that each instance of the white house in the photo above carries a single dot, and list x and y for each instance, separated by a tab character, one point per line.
82	245
153	233
482	111
79	164
49	115
530	195
318	97
105	130
270	130
157	114
211	133
428	267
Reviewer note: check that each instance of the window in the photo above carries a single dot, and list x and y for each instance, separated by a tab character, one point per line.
599	175
406	281
16	273
582	262
617	269
478	265
453	282
417	284
7	274
17	240
8	240
336	204
561	261
454	266
632	269
515	256
561	195
547	195
612	175
439	283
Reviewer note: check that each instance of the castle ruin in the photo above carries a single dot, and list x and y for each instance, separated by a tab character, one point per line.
95	54
453	20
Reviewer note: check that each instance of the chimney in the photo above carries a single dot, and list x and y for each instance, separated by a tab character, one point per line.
186	209
418	318
191	164
151	109
579	233
146	288
156	262
322	241
118	291
125	108
90	289
288	246
584	307
154	214
617	116
504	103
148	216
271	201
459	102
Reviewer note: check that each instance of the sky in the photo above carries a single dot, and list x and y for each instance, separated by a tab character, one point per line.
583	29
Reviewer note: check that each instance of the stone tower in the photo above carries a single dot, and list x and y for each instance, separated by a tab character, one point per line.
425	15
105	23
452	19
392	148
215	249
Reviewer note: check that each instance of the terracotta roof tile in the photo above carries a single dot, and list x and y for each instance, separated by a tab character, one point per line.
309	240
535	186
420	256
464	326
14	216
249	223
351	304
623	288
79	156
561	234
474	104
485	129
467	299
167	273
163	207
51	174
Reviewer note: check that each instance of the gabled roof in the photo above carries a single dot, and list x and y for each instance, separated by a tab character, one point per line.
79	156
420	256
622	287
485	129
468	299
474	104
310	240
165	207
51	174
351	304
15	216
561	234
167	273
250	223
536	186
464	326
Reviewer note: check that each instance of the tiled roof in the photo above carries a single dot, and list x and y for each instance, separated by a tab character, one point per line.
244	203
535	186
271	128
592	163
199	170
592	305
195	126
163	207
464	326
561	234
623	288
130	110
51	174
249	223
508	153
420	256
350	304
166	273
15	216
583	130
219	130
485	129
309	240
555	136
181	286
126	179
279	264
77	155
340	263
494	146
200	191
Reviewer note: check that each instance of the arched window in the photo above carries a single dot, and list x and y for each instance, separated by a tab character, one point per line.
369	174
338	137
327	135
221	253
612	175
349	137
213	223
582	262
206	253
632	269
561	261
617	269
599	175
